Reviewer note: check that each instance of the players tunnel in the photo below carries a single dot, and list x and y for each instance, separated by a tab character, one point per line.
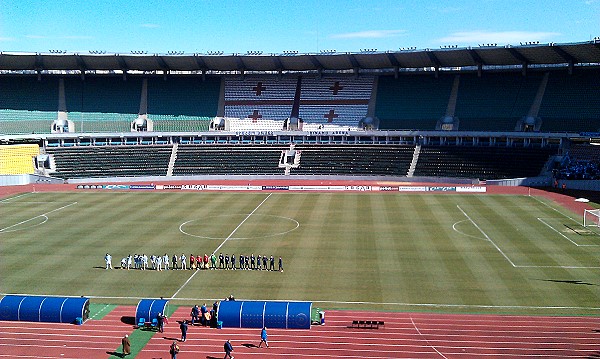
270	314
44	309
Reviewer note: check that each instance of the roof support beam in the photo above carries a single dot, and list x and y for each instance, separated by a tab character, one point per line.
82	65
39	66
123	66
517	55
316	63
435	61
567	57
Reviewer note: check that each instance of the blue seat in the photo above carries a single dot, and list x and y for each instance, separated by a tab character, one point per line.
141	322
154	323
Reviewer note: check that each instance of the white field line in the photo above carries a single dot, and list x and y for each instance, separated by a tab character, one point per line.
426	340
567	238
38	216
486	236
222	243
510	261
555	210
7	200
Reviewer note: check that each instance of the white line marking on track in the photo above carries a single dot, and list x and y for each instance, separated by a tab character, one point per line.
222	243
426	340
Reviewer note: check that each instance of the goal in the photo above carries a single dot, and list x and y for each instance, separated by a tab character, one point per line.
591	218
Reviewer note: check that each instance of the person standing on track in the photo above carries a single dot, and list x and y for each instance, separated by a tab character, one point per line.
228	349
174	349
184	327
263	337
126	345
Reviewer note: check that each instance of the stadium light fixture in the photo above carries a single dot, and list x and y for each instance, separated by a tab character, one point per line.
290	52
368	50
412	48
97	52
138	52
53	51
214	53
175	52
327	51
448	46
254	53
596	39
488	45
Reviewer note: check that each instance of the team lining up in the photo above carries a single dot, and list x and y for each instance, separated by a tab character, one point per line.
225	262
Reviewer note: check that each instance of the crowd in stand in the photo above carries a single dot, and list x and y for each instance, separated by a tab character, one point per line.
212	262
578	170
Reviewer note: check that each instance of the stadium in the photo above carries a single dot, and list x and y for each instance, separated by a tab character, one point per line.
426	203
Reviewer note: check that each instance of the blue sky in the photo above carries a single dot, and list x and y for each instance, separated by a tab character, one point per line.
276	26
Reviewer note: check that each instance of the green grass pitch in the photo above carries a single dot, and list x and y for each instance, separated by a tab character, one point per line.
401	252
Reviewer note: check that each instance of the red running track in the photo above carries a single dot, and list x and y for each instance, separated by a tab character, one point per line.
93	339
405	335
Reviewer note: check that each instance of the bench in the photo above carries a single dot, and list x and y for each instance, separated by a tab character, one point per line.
367	324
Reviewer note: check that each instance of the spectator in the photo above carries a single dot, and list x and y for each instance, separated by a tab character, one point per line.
126	345
173	350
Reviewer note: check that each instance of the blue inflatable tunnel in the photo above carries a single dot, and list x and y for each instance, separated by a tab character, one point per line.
148	309
258	314
44	309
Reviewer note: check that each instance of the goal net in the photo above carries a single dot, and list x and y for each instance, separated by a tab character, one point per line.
591	218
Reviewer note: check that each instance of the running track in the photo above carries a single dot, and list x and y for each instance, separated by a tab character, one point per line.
405	335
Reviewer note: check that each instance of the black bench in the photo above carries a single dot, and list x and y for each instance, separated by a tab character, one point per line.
367	324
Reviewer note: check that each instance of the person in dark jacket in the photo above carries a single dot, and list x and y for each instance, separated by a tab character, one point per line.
228	349
184	328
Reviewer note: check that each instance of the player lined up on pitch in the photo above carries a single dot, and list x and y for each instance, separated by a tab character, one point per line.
226	262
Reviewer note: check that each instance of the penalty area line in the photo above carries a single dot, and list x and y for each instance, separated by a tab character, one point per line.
38	216
223	243
486	236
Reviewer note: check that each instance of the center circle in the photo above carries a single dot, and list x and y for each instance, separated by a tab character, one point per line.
221	226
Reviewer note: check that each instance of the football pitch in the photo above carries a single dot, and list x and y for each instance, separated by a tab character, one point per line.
388	251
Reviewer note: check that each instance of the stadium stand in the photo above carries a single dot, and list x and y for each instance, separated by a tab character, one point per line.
227	159
110	161
329	100
494	102
412	101
571	102
481	162
18	159
370	160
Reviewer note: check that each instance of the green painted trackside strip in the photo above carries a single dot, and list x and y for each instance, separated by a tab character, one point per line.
140	337
99	310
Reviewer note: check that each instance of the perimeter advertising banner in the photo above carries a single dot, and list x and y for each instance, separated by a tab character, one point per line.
315	188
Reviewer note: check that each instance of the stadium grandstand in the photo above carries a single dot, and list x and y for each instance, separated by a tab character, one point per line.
512	114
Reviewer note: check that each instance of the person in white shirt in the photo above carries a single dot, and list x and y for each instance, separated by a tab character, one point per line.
183	259
166	261
108	260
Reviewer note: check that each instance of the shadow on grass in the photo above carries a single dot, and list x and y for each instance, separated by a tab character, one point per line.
571	281
116	354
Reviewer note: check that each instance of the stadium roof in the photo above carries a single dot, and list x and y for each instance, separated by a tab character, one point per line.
483	56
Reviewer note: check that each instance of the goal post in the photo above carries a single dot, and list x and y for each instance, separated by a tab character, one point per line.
591	218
